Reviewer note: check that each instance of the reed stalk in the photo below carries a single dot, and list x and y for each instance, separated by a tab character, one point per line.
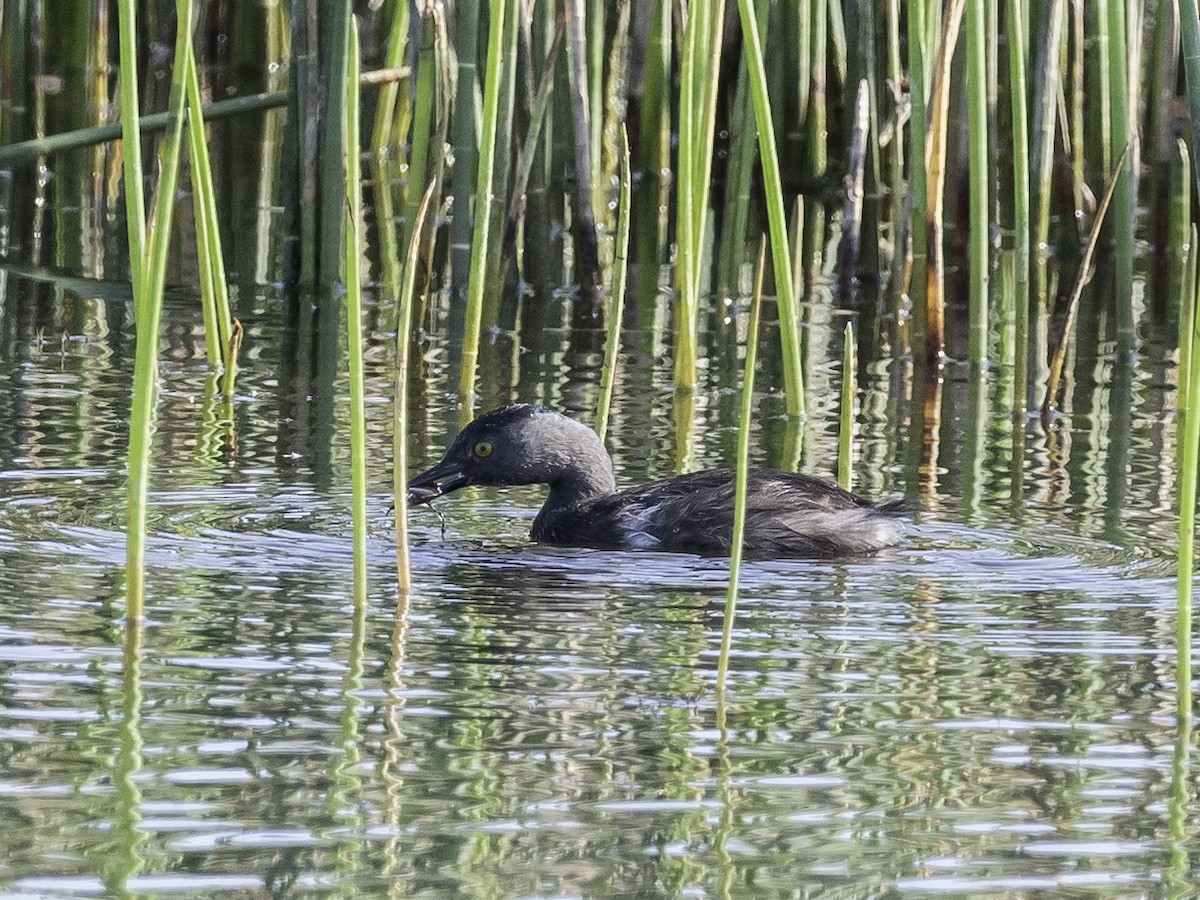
595	88
1045	108
895	78
917	188
979	177
505	149
1102	37
845	465
1123	212
852	208
687	313
130	131
425	104
789	319
818	150
588	262
1187	518
483	212
742	476
1015	32
214	290
1189	25
935	315
1081	279
740	169
620	276
1179	251
467	16
404	324
529	152
354	311
148	295
385	102
331	172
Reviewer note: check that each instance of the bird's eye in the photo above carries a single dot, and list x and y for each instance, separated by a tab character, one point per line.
483	449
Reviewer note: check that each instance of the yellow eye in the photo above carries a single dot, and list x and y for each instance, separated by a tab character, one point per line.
483	449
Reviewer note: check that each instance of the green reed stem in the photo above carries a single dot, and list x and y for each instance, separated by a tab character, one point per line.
135	197
1060	348
620	275
400	406
529	151
385	103
1179	248
483	208
1189	23
818	137
707	100
685	194
354	325
1187	528
148	301
331	173
739	172
1123	212
428	87
1103	38
214	290
789	319
467	16
742	476
980	177
1045	114
939	99
917	190
1015	32
587	258
895	70
845	465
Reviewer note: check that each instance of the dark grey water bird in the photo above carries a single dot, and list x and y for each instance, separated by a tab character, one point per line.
786	514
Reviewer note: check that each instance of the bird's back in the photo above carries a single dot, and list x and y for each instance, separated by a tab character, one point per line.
787	515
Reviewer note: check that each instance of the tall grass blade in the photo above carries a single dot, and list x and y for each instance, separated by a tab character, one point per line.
1081	278
742	477
385	102
467	16
135	197
620	276
845	466
354	311
789	319
148	302
529	152
980	174
1181	251
1122	135
918	198
404	324
852	209
939	121
483	214
1015	32
588	268
218	338
1045	111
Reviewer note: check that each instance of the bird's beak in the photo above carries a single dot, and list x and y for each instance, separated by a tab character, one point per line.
441	479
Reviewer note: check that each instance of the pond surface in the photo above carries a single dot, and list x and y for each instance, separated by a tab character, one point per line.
985	711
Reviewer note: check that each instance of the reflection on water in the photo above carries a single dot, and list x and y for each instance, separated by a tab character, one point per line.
988	710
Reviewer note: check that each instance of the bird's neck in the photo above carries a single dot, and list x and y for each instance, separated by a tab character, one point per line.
584	474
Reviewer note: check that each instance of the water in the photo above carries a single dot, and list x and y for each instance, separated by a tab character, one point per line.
985	711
